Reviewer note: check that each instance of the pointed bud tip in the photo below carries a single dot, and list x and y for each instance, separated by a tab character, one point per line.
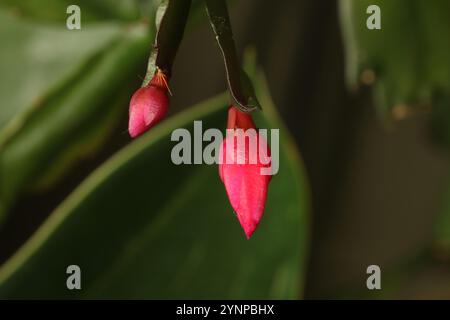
248	233
134	133
248	224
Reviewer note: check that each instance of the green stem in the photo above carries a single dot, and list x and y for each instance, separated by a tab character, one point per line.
239	86
171	18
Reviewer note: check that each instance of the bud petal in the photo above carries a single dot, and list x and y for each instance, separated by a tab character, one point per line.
246	187
148	105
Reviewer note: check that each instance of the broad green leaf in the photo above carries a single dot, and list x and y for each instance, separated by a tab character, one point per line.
142	227
71	122
407	60
55	11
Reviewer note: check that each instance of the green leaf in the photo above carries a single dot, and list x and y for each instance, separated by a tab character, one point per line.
77	113
142	227
239	84
406	61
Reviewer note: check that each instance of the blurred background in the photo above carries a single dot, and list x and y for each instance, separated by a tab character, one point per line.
377	168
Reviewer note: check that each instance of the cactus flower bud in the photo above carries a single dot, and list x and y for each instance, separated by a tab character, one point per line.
148	105
246	187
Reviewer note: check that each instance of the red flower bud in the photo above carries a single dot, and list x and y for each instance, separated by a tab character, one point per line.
148	105
244	182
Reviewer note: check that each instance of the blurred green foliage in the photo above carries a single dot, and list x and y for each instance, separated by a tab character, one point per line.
139	226
408	56
46	126
54	11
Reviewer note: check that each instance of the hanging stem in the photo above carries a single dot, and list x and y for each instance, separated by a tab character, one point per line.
239	85
171	18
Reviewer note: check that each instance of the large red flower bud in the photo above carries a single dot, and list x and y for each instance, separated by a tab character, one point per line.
148	105
244	174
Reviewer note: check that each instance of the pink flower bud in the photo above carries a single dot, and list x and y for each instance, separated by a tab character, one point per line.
246	187
148	105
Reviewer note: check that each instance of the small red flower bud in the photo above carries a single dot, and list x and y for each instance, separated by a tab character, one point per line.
148	105
246	187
